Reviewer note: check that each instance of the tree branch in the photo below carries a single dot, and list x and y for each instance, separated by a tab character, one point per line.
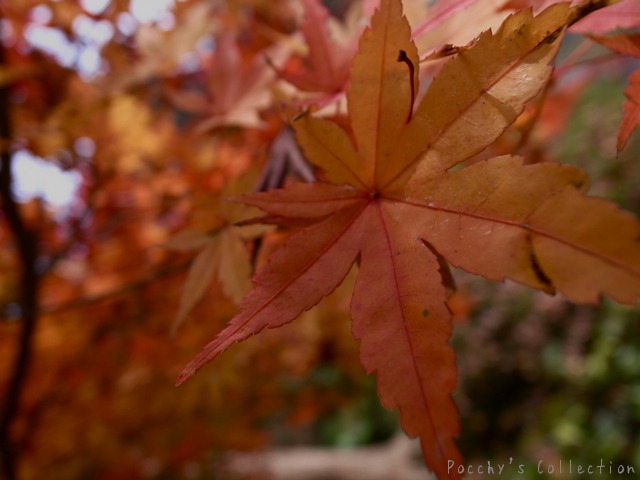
26	247
394	459
84	301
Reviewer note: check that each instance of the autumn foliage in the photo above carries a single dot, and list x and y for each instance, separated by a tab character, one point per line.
289	160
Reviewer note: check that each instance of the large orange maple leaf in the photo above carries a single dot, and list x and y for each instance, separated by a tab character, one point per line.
390	200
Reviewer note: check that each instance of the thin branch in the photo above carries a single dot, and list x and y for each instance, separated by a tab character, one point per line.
284	158
26	247
133	285
393	459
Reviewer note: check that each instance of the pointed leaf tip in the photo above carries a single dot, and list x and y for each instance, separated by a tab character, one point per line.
305	269
401	319
380	89
478	94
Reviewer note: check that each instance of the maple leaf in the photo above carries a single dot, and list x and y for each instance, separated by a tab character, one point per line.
599	16
390	201
622	14
326	67
631	106
236	90
623	44
626	45
221	253
457	22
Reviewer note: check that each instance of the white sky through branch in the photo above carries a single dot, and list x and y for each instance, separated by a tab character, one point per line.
35	177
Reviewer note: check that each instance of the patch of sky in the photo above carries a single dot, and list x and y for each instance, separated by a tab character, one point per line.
94	7
37	178
84	55
158	11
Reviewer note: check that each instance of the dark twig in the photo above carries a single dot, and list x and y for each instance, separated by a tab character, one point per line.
284	158
403	57
26	247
